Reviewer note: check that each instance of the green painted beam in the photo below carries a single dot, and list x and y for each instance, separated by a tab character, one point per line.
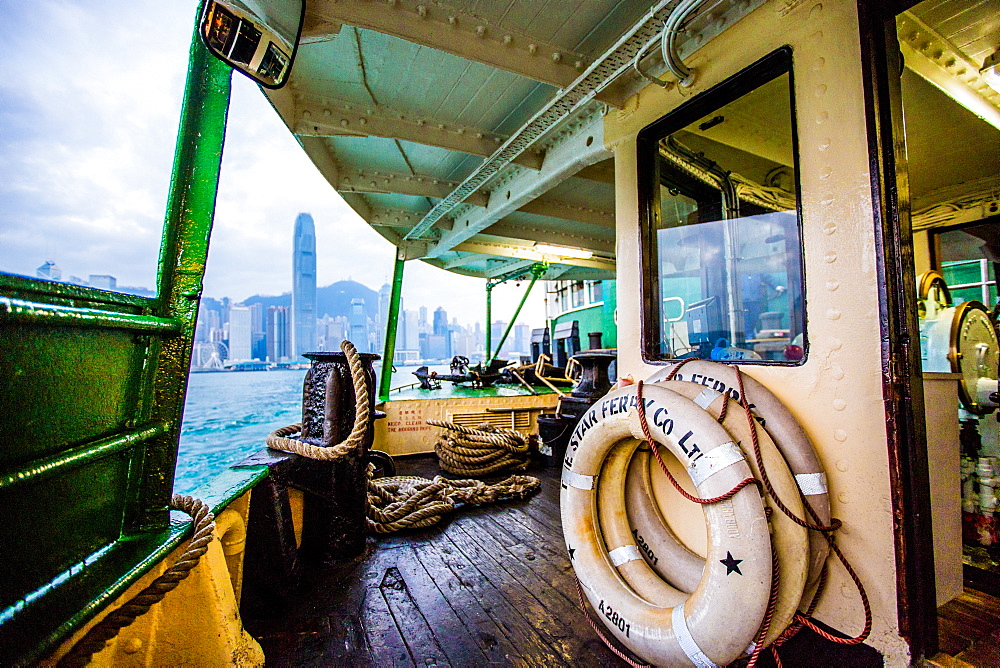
184	249
389	352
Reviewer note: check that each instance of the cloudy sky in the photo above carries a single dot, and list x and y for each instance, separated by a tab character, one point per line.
89	103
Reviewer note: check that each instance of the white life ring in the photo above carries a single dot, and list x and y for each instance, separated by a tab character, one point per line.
788	436
667	555
717	622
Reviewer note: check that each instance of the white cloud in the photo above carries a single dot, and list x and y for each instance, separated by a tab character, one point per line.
90	108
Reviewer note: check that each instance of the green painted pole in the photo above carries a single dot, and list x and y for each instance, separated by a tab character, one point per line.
489	316
391	326
183	251
534	277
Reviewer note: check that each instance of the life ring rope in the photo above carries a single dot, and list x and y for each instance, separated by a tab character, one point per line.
808	484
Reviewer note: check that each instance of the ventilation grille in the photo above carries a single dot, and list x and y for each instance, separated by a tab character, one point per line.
519	420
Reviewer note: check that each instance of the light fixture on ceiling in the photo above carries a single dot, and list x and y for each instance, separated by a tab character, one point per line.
990	71
563	251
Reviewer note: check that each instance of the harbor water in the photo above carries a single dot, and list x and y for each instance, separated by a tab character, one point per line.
227	416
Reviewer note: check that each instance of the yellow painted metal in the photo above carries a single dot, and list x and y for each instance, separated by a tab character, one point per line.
196	624
405	430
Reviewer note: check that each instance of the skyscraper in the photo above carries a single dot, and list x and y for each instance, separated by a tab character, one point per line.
240	333
304	286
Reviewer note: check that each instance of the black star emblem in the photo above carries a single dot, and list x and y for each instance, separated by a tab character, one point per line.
731	564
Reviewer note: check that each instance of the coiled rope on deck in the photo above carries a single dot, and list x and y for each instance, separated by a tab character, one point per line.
109	627
410	502
279	438
481	451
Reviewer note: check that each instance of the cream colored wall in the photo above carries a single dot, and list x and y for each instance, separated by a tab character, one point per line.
837	393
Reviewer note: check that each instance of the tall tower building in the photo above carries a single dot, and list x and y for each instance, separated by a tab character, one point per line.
304	286
240	333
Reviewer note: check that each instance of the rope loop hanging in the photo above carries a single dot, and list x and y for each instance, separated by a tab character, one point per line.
481	451
282	439
108	628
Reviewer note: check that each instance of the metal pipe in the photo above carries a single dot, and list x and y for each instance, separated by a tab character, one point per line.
489	316
536	271
389	351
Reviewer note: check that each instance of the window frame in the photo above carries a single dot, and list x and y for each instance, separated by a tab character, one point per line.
648	179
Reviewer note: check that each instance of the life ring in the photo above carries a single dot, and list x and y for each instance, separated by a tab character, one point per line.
788	436
667	555
716	623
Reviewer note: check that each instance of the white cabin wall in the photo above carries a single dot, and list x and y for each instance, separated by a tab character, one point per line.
837	393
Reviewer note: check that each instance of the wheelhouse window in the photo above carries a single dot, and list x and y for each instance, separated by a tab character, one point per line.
721	235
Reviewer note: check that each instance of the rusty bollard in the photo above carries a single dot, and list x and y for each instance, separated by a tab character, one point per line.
336	501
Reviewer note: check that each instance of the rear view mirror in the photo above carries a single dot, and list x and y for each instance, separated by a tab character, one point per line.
256	37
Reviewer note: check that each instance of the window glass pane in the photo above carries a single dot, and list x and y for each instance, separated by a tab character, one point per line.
960	273
725	233
960	295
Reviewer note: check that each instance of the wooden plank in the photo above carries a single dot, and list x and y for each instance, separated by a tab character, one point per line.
526	641
524	589
387	645
417	633
457	641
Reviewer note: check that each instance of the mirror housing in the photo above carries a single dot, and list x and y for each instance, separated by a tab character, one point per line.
257	37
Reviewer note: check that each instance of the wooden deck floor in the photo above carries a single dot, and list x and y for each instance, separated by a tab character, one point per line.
488	586
969	629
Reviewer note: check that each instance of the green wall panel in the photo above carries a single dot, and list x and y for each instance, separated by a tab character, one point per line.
64	386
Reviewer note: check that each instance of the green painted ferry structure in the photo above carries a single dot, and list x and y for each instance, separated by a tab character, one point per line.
477	136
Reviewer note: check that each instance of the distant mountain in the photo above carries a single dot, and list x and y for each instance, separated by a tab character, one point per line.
333	300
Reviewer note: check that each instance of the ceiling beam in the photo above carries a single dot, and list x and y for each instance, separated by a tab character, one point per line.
549	235
580	147
552	208
507	266
601	172
417	185
934	58
340	118
463	259
527	253
453	31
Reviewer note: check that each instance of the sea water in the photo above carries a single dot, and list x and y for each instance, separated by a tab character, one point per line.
227	416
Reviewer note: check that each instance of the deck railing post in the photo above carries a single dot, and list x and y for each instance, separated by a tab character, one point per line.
389	352
187	227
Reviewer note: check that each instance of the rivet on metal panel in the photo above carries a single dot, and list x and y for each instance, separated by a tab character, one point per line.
836	344
578	64
306	114
816	9
344	122
829	228
818	65
481	31
826	172
452	20
837	373
421	10
822	117
821	90
833	314
839	404
824	143
327	112
532	49
362	121
556	57
507	39
843	465
830	257
843	498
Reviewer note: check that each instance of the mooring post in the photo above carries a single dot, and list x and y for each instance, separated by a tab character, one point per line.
336	504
